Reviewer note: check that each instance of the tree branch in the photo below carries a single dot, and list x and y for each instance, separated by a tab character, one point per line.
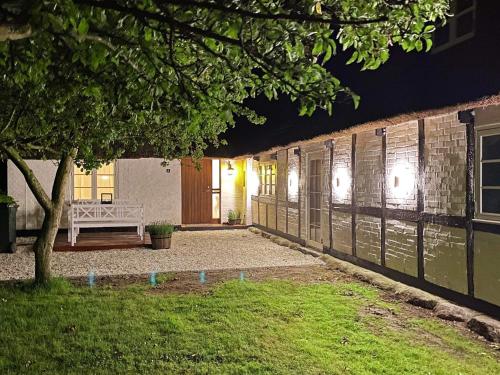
33	183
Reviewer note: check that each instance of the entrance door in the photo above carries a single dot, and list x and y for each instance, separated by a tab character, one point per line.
314	200
196	192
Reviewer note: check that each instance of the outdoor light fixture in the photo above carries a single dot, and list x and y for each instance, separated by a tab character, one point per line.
341	183
402	180
230	169
293	184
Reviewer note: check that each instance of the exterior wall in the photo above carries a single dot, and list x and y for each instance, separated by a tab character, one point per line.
445	257
368	238
401	246
141	180
232	188
487	266
342	232
445	165
341	170
29	213
402	164
147	182
439	227
368	169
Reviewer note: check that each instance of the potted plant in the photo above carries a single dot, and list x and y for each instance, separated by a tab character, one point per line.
161	234
8	208
234	217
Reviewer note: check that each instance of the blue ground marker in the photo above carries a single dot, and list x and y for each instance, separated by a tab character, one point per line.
91	279
242	276
152	278
202	277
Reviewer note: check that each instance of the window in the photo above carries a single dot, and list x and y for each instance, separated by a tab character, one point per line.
215	189
267	179
488	141
458	28
92	185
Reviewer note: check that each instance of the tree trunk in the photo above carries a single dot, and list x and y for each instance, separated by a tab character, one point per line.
45	242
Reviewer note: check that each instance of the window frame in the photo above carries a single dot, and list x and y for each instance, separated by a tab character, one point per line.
93	186
452	24
266	185
480	132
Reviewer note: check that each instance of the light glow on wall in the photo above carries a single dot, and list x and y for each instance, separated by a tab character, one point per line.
253	183
293	184
341	183
401	181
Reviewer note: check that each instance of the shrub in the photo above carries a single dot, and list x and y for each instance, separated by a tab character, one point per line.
160	228
233	215
6	199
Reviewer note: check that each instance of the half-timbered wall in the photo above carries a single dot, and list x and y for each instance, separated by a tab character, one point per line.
398	200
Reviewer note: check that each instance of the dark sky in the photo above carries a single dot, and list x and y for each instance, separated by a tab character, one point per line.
407	82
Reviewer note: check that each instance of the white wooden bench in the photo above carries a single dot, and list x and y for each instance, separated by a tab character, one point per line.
94	214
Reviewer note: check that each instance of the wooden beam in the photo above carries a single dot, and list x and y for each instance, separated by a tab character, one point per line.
469	203
383	199
420	198
353	194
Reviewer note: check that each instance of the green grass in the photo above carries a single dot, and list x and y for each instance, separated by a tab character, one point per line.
273	327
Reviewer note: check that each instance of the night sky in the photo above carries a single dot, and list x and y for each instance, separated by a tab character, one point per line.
407	82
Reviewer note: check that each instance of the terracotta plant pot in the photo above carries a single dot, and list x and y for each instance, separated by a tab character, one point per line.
161	241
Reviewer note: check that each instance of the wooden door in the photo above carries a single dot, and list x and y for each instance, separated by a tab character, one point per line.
196	192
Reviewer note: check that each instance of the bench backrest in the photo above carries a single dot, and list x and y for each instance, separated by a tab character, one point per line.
97	212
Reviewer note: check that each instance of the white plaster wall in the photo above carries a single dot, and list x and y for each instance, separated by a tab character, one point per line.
29	213
232	191
147	182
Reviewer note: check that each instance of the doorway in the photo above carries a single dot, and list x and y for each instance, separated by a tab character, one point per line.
314	193
200	191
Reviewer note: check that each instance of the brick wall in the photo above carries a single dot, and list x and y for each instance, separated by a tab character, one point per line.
402	166
368	169
401	246
341	176
445	257
341	232
445	165
368	238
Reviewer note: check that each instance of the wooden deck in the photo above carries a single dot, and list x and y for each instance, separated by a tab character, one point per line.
101	241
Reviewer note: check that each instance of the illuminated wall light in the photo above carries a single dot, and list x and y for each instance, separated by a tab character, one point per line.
293	184
402	180
230	169
342	183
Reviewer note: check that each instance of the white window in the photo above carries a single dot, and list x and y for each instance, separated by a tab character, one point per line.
488	184
94	184
458	28
267	179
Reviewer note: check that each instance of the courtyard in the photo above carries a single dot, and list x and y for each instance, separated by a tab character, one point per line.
190	251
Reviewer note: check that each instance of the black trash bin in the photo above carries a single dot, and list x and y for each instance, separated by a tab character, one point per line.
8	228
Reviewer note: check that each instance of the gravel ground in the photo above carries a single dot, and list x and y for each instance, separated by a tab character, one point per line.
190	251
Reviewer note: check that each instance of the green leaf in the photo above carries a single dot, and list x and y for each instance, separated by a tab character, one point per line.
83	27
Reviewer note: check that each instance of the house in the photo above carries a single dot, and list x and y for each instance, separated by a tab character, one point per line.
407	185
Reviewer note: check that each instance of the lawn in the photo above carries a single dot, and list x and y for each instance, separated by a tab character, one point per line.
277	327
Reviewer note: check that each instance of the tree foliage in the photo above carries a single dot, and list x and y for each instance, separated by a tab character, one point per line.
103	76
88	80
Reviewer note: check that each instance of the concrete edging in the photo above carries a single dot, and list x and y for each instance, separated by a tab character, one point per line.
477	322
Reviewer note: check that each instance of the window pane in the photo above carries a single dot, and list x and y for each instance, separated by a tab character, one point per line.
491	201
465	24
107	169
215	206
491	174
442	35
461	5
105	181
491	147
215	175
83	193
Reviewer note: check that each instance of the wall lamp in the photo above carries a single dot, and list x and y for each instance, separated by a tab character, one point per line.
230	169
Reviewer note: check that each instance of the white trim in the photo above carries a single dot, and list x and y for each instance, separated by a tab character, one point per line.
313	155
452	31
